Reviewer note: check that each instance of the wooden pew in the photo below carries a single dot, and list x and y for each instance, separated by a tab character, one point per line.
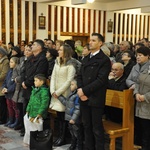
124	100
53	115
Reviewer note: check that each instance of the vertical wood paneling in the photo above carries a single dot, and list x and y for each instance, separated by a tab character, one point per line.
61	21
129	28
133	30
58	22
125	28
19	21
23	21
55	18
52	20
64	19
78	23
86	20
134	27
30	21
121	29
67	19
70	19
99	23
73	19
102	22
49	18
146	27
15	23
141	31
138	28
3	21
7	21
89	17
34	20
91	22
11	15
81	20
116	31
26	21
96	21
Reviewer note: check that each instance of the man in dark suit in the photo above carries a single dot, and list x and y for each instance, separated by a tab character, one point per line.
92	84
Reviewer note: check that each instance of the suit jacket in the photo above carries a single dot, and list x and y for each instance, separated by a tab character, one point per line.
119	85
93	78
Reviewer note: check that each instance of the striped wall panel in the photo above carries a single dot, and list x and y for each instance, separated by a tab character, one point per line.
131	27
74	21
15	22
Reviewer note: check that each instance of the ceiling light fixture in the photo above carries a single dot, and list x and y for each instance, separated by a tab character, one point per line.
90	1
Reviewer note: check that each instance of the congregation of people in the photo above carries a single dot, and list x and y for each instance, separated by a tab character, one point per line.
71	79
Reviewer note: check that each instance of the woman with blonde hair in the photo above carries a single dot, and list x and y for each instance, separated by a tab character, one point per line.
62	75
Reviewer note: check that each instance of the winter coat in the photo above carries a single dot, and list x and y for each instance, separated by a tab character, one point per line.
33	66
39	102
61	78
10	84
143	87
136	70
93	79
4	67
18	76
72	106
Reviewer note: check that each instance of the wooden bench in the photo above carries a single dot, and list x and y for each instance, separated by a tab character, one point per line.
123	100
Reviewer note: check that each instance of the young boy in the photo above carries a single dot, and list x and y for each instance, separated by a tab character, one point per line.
37	106
72	114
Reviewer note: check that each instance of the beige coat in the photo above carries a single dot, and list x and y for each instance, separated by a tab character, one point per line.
4	67
61	78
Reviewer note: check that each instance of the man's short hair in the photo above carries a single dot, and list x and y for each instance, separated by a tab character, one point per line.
40	42
41	77
100	37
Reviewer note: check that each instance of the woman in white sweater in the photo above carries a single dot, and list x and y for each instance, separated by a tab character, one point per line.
62	75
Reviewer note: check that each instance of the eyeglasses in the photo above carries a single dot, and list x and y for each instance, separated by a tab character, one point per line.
115	70
125	54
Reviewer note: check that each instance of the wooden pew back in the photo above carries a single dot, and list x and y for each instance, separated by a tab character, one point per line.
123	100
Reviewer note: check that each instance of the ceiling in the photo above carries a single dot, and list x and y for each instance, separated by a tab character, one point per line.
110	5
102	1
108	1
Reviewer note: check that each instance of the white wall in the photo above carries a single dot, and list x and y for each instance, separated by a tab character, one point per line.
42	33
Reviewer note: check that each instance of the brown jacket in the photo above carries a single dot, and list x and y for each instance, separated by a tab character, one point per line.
4	66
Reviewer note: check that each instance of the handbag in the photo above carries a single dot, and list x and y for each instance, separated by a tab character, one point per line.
31	126
41	140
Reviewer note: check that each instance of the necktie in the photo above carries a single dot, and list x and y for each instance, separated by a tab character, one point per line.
91	55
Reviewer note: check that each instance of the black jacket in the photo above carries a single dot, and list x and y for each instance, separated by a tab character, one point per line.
34	65
118	85
93	78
